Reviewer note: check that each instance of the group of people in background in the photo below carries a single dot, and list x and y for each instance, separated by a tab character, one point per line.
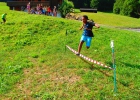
40	9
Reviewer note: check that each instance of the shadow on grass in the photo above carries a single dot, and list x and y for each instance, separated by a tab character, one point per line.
131	65
110	64
101	70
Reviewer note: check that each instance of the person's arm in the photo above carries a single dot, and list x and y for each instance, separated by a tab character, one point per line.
81	27
94	24
97	25
5	16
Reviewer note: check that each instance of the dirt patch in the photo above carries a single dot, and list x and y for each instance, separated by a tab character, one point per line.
65	79
123	28
133	29
73	16
35	78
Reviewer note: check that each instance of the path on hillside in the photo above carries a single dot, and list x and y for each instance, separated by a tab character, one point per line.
122	28
73	16
133	29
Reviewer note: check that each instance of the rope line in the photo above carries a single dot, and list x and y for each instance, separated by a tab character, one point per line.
89	59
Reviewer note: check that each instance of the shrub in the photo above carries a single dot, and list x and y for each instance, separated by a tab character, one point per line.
127	7
94	3
118	6
66	7
130	8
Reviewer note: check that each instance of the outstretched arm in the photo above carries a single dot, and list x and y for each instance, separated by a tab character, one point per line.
97	25
81	27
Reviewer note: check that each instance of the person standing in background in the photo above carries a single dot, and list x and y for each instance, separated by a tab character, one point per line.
28	7
54	11
49	10
4	17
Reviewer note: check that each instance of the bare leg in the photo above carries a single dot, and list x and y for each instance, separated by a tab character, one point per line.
80	46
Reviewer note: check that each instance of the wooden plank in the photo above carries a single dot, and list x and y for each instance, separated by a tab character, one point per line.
88	10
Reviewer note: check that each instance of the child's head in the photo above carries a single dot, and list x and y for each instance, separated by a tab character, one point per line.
84	18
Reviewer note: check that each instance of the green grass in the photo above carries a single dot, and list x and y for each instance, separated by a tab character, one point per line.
77	11
3	6
34	63
113	20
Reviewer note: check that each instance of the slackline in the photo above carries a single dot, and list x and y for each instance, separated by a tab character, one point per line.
89	59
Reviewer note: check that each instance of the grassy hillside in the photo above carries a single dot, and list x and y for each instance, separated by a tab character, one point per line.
34	63
3	6
113	20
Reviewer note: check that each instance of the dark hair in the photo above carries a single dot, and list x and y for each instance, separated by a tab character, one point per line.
85	16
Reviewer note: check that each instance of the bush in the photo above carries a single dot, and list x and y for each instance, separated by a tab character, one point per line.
66	7
94	3
127	7
105	5
130	8
118	6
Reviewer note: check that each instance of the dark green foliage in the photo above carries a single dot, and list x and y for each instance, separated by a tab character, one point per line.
81	3
118	5
106	5
94	3
130	8
66	7
127	8
102	5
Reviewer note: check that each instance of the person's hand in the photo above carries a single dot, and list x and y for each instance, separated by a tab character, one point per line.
97	25
81	28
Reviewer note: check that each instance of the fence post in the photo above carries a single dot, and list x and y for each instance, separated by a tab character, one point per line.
66	39
114	66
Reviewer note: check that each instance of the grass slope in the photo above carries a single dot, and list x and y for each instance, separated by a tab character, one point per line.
113	20
3	6
34	64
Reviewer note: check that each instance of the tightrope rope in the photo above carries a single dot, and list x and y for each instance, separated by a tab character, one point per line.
89	59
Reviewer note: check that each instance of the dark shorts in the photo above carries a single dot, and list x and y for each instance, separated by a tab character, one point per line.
4	20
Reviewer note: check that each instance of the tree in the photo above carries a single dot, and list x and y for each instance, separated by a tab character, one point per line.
106	5
118	5
94	3
127	7
138	8
130	8
102	5
66	7
81	3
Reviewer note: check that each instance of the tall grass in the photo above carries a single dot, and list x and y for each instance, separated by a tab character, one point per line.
35	65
